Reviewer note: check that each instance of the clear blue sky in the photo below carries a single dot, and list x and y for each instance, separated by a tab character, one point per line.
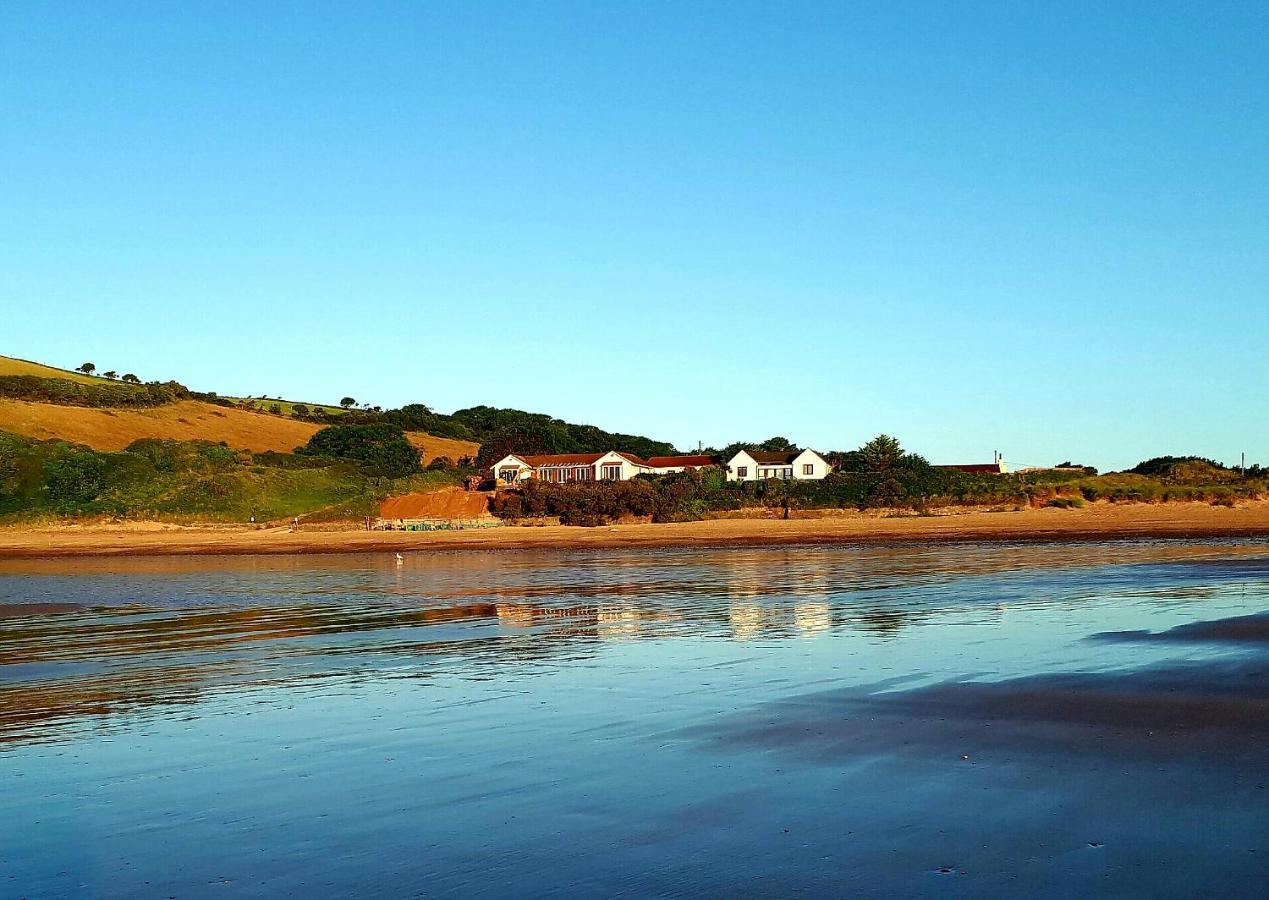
1038	227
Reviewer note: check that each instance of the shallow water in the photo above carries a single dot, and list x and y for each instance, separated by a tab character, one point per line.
952	720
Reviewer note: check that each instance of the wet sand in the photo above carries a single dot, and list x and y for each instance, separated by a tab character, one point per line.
1097	521
893	719
1198	709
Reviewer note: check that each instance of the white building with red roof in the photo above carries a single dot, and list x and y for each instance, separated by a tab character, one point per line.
793	465
611	466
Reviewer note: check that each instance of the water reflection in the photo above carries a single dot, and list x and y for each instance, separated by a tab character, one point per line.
163	631
703	722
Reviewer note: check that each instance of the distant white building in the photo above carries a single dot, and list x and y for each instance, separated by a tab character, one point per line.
611	466
760	465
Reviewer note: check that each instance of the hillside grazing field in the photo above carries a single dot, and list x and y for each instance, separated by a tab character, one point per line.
11	366
287	406
187	420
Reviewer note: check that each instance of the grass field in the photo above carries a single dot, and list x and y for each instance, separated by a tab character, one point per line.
114	429
287	405
11	366
187	420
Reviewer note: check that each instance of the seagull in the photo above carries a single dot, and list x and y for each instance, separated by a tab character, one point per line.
400	559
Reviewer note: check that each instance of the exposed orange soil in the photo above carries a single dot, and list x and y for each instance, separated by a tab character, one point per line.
1096	521
114	429
449	503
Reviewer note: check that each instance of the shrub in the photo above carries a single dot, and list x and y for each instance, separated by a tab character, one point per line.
73	476
62	392
381	447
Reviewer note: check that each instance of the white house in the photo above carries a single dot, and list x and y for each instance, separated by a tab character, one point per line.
611	466
759	465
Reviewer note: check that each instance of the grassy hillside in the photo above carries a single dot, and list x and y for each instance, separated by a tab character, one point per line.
187	420
11	366
188	480
287	407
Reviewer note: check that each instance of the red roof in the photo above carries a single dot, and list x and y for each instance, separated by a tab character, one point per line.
575	459
630	456
562	459
665	462
778	457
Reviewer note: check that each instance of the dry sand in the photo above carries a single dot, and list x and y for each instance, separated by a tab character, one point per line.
1096	521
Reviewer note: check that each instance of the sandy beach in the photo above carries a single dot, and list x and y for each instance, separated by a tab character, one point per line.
1097	521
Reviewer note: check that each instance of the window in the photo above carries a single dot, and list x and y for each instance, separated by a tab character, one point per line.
508	474
742	471
808	468
611	473
786	474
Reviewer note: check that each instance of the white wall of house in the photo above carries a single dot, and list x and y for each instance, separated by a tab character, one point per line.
742	467
613	463
511	469
810	466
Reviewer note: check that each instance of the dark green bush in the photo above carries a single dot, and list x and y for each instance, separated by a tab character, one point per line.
382	447
73	393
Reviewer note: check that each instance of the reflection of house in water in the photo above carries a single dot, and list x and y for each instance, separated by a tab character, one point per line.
795	600
812	617
747	620
751	620
619	620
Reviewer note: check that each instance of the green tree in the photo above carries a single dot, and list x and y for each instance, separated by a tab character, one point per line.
527	437
74	477
881	454
381	446
732	449
87	368
111	374
131	379
348	403
777	445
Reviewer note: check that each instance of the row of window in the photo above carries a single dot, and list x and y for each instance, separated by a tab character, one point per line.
573	473
613	473
779	472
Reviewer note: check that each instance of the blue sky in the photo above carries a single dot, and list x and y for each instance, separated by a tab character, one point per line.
1040	228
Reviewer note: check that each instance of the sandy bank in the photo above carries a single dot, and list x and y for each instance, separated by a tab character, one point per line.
1093	522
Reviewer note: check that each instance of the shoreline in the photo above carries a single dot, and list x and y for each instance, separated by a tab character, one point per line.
1095	522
